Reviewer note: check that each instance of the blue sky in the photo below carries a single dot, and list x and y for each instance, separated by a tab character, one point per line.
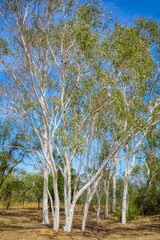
127	10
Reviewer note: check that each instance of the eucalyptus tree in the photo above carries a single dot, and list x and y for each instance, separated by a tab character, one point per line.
51	60
66	72
138	73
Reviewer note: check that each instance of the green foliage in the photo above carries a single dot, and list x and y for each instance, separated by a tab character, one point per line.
151	27
60	181
4	50
69	66
12	155
145	191
22	187
148	204
9	188
31	187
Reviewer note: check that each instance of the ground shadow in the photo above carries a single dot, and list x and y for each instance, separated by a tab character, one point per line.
17	220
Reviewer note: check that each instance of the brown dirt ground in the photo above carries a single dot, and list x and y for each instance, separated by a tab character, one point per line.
25	224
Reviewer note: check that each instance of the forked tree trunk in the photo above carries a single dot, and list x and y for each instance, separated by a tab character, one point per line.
69	203
69	217
69	206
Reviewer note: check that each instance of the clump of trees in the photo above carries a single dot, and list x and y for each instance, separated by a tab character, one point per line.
82	87
12	151
21	187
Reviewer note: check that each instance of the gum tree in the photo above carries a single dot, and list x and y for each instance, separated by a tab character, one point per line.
67	71
50	62
136	62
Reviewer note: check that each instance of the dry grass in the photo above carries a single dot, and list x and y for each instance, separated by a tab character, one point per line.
25	224
18	205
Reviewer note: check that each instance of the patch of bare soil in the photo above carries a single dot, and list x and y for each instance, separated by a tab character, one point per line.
26	224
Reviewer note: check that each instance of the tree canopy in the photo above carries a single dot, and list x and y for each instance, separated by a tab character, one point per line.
74	82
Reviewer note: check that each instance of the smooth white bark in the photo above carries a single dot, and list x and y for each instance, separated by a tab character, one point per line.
69	206
69	218
45	196
124	202
90	194
98	206
106	189
86	208
114	192
56	208
45	118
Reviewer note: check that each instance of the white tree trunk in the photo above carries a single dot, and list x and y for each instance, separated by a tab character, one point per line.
86	207
98	206
107	197
106	210
69	218
45	196
114	193
56	210
125	187
124	201
69	207
106	189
